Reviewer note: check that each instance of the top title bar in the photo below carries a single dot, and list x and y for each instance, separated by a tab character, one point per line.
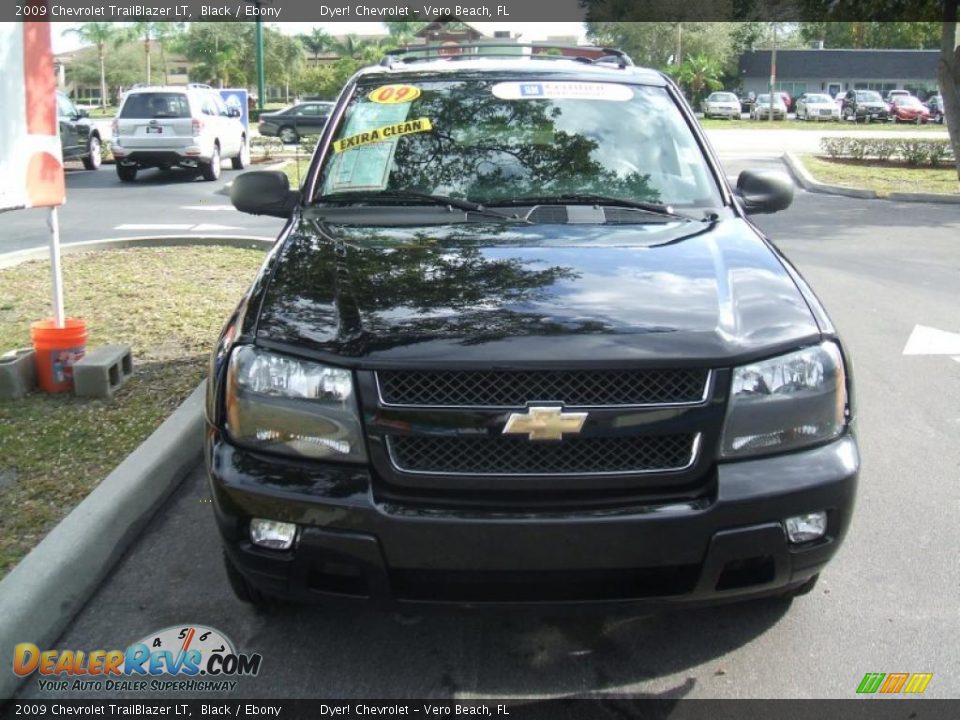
473	10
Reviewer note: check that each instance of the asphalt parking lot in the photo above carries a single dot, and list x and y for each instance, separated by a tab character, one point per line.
887	603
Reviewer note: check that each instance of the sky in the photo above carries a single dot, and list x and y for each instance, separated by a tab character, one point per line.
528	31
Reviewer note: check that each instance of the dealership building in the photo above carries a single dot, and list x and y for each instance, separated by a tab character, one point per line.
832	71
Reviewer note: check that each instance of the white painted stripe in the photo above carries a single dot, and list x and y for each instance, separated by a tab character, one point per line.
212	208
931	341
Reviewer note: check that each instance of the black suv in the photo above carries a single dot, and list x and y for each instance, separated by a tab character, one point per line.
79	137
518	343
864	106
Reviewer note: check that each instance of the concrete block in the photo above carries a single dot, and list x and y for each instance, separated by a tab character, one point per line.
18	374
102	370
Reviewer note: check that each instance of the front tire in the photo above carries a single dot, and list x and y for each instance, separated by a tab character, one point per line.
127	173
243	157
288	135
803	589
211	170
93	158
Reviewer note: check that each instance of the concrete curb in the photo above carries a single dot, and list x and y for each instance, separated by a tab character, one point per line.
238	241
39	598
807	182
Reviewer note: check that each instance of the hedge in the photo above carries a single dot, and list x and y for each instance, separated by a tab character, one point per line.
913	151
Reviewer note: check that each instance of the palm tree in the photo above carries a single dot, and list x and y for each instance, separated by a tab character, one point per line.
699	73
317	42
100	34
164	32
147	31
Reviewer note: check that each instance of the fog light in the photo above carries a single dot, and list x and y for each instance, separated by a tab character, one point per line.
804	528
272	534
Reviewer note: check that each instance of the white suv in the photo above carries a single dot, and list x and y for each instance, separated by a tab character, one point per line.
188	127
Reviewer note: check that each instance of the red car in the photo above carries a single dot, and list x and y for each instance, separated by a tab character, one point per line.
909	109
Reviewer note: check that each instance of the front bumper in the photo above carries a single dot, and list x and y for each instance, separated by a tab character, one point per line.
726	546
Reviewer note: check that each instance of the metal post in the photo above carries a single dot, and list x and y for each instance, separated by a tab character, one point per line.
54	225
260	73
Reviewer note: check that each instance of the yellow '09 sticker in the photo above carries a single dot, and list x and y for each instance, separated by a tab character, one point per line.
394	94
387	132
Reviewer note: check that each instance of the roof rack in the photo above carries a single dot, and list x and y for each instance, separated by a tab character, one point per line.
419	53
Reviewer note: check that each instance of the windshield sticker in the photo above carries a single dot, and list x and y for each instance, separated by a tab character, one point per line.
394	94
366	168
562	91
387	132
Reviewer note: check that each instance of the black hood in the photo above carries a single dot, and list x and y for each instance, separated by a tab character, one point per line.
477	293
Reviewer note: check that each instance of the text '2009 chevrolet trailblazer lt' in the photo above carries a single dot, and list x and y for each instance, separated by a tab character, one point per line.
518	344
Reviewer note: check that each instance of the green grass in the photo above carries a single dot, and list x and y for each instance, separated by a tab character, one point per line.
169	305
717	124
295	170
883	177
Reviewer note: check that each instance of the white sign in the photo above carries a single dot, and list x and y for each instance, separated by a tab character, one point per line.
562	91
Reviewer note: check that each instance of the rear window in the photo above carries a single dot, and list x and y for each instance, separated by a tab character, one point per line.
156	105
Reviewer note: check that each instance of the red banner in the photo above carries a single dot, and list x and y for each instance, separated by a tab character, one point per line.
31	164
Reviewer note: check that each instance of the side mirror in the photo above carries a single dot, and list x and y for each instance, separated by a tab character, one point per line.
265	192
82	114
764	191
234	112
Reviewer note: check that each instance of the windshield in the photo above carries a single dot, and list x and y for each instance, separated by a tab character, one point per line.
868	96
156	105
818	99
765	99
905	101
492	141
723	97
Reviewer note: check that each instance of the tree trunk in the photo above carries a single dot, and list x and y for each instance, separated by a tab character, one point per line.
163	62
146	50
948	72
103	77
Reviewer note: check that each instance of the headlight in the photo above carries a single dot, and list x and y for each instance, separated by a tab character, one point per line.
291	406
786	403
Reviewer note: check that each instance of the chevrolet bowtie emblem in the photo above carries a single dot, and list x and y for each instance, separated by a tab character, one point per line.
544	423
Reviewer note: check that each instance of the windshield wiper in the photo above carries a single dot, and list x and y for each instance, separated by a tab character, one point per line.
459	203
642	205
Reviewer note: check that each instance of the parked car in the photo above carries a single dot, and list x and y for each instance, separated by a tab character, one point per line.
909	109
864	105
935	106
187	127
761	109
456	379
721	104
79	137
817	107
890	96
289	124
747	101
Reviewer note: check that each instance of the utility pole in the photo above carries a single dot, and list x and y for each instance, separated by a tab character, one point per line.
260	73
678	55
258	4
773	69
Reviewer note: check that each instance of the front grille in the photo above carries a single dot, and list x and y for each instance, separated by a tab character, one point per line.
519	456
516	388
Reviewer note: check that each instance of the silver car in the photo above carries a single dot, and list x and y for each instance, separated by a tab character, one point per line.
761	109
817	107
187	127
721	104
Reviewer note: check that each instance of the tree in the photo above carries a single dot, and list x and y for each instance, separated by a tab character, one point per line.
317	41
948	74
100	34
121	67
148	31
697	74
217	50
166	33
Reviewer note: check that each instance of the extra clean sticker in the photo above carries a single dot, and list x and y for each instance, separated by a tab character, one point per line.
562	91
387	132
393	94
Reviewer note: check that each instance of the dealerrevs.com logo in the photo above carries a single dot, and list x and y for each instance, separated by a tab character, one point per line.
181	658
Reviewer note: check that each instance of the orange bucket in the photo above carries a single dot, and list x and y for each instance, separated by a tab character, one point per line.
56	350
